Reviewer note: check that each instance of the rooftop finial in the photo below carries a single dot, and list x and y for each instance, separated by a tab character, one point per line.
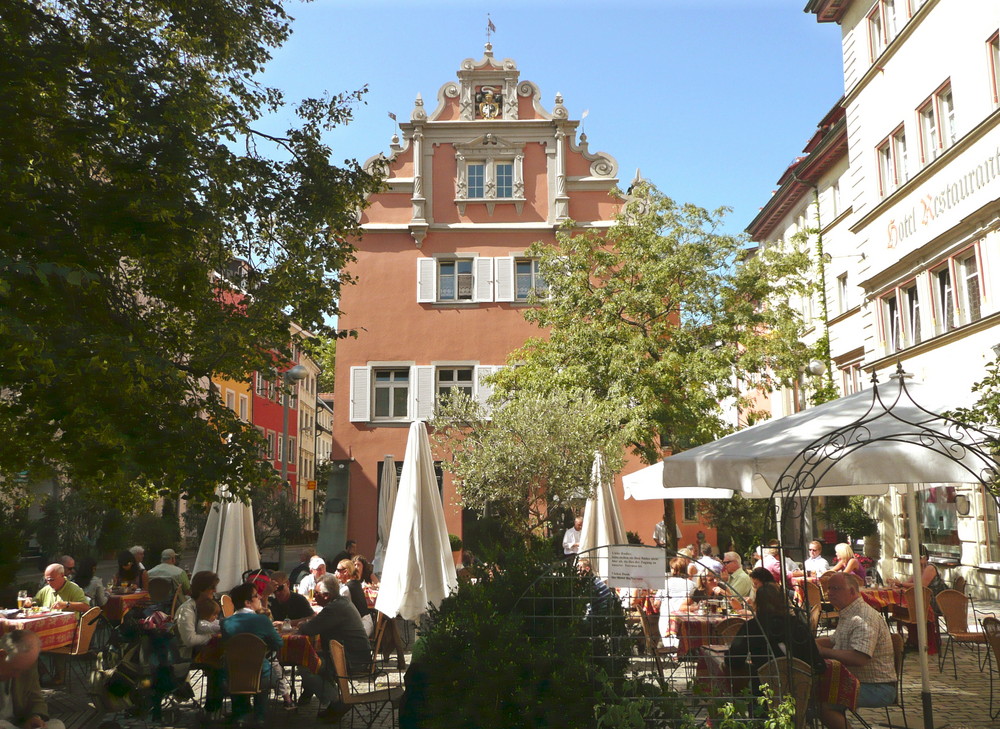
490	28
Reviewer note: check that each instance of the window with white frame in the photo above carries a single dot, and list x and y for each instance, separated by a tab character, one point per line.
391	394
490	170
290	456
892	322
850	374
279	450
843	298
937	123
454	280
911	313
892	162
835	204
244	407
454	379
690	510
969	287
271	444
993	56
944	299
261	385
528	280
384	393
876	31
231	400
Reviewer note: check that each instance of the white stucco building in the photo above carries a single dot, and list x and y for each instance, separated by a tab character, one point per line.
906	233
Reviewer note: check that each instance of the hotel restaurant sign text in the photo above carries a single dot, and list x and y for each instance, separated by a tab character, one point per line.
943	198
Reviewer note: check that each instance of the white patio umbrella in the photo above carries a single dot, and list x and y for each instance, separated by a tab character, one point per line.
886	431
419	569
386	504
228	547
646	484
602	521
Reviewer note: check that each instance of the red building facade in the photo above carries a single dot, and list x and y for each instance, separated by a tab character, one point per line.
442	278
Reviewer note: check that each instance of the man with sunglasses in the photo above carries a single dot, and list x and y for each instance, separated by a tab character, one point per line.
285	604
59	593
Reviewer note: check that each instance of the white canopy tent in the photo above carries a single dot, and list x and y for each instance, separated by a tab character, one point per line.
228	547
861	444
419	569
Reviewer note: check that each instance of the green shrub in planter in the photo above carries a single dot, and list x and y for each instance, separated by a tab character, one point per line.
456	542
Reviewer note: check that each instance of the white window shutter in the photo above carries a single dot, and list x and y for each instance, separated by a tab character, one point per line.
484	391
423	403
504	278
484	279
426	280
361	380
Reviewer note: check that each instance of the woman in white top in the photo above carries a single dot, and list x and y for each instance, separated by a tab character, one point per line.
674	598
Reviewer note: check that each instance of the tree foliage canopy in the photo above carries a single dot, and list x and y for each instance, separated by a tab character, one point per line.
535	452
664	312
135	166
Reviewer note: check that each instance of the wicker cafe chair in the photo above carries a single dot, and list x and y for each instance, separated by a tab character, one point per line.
991	628
727	630
898	655
954	608
368	703
814	596
789	677
959	585
227	605
244	655
79	651
907	615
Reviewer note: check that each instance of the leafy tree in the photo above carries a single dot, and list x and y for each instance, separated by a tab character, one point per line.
742	522
156	232
324	351
535	452
667	313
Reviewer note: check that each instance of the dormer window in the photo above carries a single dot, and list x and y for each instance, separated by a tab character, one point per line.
490	170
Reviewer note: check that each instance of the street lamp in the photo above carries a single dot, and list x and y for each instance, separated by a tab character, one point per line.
291	378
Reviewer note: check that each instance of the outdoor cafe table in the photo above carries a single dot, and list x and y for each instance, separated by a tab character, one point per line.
296	650
836	685
119	604
886	598
694	630
54	629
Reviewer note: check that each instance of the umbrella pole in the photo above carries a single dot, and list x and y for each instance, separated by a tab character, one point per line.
925	681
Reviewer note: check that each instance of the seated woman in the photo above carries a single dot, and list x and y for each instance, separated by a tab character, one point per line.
707	587
93	586
247	619
347	573
848	563
675	597
929	578
129	573
773	632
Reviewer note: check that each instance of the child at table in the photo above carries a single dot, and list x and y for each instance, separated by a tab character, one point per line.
208	616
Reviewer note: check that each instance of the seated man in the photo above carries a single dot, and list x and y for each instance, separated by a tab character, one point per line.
815	563
59	593
317	568
21	701
338	620
737	580
168	568
863	644
288	605
246	619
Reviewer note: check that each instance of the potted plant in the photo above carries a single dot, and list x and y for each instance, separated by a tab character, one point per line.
456	547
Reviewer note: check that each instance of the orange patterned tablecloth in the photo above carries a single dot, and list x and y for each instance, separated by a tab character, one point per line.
54	629
885	598
117	605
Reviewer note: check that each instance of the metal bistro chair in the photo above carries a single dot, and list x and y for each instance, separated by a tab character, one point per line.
367	704
991	627
955	611
789	677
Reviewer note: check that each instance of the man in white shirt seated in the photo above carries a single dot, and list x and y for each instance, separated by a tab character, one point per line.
571	539
317	568
816	563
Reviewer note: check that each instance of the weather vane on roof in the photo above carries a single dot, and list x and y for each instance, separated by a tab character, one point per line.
490	28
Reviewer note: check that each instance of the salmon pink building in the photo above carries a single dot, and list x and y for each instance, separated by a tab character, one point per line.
442	279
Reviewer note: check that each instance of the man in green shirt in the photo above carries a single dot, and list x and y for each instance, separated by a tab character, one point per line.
59	593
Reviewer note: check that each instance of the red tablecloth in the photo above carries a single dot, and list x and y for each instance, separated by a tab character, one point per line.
296	650
54	629
117	605
693	631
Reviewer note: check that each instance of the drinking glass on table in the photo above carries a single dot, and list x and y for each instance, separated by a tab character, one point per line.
23	600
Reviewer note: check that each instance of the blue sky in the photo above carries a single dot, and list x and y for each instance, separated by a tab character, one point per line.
712	99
